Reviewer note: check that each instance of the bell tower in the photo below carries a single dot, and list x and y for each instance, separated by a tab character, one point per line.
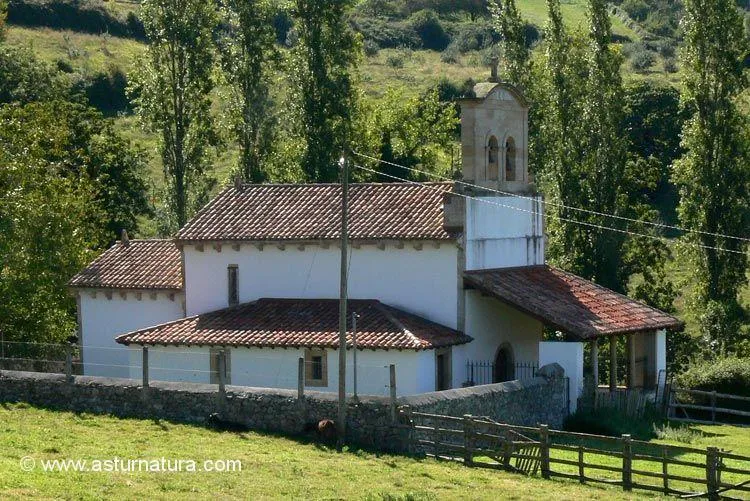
494	137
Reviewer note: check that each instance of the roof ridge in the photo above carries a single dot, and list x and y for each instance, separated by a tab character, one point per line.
395	321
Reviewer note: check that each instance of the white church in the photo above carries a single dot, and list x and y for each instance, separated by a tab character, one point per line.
442	276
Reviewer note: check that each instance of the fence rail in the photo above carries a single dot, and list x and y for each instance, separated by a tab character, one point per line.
485	372
674	405
622	461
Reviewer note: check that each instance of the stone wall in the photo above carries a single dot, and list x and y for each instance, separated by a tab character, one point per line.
369	421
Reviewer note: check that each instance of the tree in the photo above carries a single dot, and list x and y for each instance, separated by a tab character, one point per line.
23	78
48	223
321	72
171	90
3	17
713	175
83	147
413	132
247	52
511	27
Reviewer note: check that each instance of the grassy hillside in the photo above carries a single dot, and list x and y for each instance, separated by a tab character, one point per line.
272	467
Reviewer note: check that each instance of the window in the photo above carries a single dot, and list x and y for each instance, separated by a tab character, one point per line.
215	353
492	159
316	367
233	294
510	159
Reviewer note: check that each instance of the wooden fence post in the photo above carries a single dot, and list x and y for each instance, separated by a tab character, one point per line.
392	371
69	363
627	463
144	367
222	373
544	449
468	440
665	468
301	378
712	482
581	473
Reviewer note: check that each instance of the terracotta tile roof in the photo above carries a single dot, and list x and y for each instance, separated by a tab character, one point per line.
568	302
143	264
300	323
313	212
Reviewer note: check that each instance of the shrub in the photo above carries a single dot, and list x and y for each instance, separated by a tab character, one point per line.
386	34
107	91
426	25
677	433
725	375
637	9
395	60
670	65
613	422
90	16
371	48
474	36
451	54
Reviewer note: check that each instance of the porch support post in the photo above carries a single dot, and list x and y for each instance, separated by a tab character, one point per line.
631	361
612	363
595	361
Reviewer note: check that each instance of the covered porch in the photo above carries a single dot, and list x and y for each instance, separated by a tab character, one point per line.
584	313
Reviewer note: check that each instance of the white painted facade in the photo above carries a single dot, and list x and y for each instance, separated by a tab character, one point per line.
423	282
278	368
104	314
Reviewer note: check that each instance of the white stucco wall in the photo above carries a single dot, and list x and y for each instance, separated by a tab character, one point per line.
503	232
570	357
103	319
492	323
423	282
277	368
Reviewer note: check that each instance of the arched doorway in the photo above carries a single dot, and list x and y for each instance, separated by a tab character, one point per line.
504	369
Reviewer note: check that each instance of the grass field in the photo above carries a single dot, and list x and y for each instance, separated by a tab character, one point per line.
272	466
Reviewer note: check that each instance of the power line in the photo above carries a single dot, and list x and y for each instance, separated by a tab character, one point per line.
556	204
561	218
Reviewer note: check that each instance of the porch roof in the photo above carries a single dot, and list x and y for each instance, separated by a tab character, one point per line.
568	302
296	323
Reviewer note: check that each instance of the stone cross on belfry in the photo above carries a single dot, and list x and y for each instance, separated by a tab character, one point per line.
493	69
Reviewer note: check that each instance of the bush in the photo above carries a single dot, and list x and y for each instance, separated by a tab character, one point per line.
24	79
474	36
371	48
677	433
613	422
637	9
725	375
90	16
386	34
107	91
395	60
451	54
670	65
640	57
426	25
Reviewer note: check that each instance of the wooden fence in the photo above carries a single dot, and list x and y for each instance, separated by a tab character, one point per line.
676	407
631	464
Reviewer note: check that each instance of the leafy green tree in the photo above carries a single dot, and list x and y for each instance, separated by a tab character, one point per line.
23	78
510	25
3	16
48	223
82	146
713	175
248	51
171	90
322	60
414	132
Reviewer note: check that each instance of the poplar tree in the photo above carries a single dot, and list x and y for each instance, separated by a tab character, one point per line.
3	16
515	54
713	175
171	87
322	61
247	52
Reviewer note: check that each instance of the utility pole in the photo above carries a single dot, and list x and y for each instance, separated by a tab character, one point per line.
341	421
354	349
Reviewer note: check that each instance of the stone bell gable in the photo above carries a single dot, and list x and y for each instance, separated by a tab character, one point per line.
494	138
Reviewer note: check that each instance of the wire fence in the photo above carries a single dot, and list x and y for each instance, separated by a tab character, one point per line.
277	369
487	372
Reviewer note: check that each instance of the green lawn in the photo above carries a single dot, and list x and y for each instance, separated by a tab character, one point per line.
272	466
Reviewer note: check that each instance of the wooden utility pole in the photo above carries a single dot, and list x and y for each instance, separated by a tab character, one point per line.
341	421
354	353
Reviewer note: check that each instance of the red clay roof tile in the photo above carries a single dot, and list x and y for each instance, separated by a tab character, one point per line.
300	323
568	302
143	264
313	212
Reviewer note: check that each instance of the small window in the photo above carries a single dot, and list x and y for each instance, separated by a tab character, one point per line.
493	151
215	353
316	367
510	159
233	283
